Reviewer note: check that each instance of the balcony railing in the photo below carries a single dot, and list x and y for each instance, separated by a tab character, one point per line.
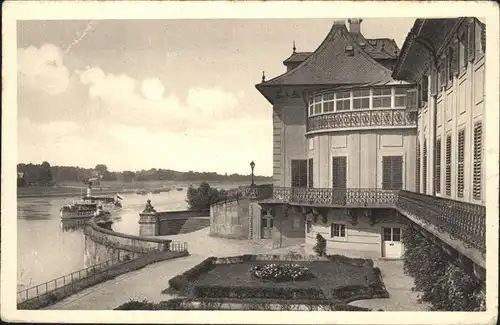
353	197
362	119
460	220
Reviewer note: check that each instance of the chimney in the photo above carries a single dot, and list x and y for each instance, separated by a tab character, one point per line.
355	25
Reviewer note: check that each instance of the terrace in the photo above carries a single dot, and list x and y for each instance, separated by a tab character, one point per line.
458	224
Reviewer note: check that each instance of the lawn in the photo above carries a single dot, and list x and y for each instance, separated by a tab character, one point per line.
326	274
338	280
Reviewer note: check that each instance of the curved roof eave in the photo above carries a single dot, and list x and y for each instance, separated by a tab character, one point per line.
343	33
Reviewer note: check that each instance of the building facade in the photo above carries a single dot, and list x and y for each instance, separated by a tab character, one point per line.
342	128
356	133
446	58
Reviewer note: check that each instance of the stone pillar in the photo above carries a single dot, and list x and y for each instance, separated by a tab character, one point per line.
253	215
149	224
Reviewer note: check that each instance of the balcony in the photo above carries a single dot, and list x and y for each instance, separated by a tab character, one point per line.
461	221
362	119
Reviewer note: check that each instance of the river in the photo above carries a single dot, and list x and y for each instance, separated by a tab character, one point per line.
48	249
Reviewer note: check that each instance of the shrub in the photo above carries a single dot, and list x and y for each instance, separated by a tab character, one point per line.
243	292
320	247
137	305
181	281
443	283
280	272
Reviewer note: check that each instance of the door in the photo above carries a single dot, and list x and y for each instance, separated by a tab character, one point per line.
392	172
267	227
339	181
299	179
391	242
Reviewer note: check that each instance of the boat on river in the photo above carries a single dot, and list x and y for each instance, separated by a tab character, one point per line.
89	206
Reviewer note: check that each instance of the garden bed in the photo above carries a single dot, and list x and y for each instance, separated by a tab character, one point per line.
247	304
336	280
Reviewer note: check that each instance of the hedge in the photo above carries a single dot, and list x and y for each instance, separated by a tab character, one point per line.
182	281
245	292
248	304
439	277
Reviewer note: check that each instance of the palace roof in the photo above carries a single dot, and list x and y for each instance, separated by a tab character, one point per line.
343	58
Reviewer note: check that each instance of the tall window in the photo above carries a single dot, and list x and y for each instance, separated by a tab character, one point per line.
329	103
361	99
451	64
448	166
417	183
316	104
338	230
382	98
424	168
400	97
460	164
299	173
424	88
392	172
343	101
310	173
339	172
437	177
477	165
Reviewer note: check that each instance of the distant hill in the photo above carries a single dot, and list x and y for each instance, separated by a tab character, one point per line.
46	174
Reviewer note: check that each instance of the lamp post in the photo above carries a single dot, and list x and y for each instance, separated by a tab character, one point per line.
252	165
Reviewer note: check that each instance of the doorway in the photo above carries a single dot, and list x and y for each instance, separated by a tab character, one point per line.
391	242
267	227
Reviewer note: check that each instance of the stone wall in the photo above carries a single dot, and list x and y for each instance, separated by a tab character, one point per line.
230	219
288	227
173	222
102	244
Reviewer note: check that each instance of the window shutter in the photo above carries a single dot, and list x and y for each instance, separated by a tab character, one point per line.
483	37
424	168
310	173
425	88
339	166
397	172
477	167
448	166
460	164
454	58
434	81
392	172
442	72
471	39
412	103
437	177
299	173
417	183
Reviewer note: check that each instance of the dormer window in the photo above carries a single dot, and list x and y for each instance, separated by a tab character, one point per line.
362	44
349	50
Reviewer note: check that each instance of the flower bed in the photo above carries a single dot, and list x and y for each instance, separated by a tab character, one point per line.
281	272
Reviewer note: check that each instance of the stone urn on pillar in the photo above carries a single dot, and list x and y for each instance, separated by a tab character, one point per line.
149	224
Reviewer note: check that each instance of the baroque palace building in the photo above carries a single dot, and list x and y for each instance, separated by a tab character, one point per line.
368	139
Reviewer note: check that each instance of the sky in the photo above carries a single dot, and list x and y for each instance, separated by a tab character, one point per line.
172	94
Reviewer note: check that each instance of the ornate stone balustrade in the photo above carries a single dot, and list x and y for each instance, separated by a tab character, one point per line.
362	119
460	220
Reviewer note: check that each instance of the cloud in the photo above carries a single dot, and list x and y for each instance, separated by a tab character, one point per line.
43	68
146	103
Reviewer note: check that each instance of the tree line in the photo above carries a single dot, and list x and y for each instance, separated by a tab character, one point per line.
45	174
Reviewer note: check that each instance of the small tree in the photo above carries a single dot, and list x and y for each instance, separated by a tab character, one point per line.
202	197
320	247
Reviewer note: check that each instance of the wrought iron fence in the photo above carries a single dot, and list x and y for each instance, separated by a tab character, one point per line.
368	118
67	281
461	220
356	197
